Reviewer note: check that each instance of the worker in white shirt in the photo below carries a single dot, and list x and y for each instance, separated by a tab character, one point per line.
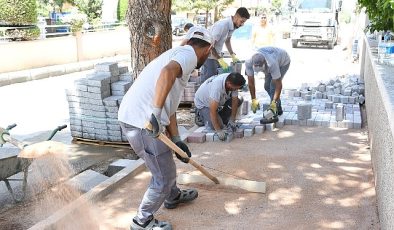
154	98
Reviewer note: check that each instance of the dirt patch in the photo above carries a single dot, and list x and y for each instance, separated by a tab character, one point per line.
317	178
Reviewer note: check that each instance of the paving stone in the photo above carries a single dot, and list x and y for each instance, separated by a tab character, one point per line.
344	99
209	137
76	134
333	122
98	79
101	137
289	118
86	180
281	122
111	115
328	104
340	112
118	165
259	129
304	111
248	132
196	137
121	85
123	69
111	67
111	101
126	77
111	109
270	127
239	133
357	122
229	137
113	127
117	138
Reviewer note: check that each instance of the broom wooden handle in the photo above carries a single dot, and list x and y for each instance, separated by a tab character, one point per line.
178	150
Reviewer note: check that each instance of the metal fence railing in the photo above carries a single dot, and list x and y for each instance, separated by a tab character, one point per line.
50	31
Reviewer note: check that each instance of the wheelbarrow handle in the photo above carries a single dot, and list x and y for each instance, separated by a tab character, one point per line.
59	128
11	126
7	138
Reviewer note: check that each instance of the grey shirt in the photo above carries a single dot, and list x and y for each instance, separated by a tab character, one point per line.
275	57
213	89
221	31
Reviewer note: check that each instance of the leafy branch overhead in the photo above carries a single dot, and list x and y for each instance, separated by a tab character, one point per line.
380	13
200	5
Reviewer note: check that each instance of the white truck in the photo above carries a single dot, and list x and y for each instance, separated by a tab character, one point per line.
316	22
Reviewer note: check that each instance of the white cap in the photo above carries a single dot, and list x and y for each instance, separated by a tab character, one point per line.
200	33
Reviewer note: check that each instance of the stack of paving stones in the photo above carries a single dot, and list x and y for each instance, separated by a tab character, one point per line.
94	102
335	103
189	92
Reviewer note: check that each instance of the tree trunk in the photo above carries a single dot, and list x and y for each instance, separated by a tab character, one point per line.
150	31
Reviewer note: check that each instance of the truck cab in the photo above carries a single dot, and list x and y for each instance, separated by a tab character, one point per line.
316	22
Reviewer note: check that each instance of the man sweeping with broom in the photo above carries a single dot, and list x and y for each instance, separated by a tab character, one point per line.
154	98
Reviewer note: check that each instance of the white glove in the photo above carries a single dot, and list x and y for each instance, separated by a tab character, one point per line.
221	134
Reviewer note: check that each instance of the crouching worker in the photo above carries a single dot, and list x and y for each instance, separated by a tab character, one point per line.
217	102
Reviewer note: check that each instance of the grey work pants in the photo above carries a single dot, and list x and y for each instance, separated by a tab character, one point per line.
269	85
209	68
159	160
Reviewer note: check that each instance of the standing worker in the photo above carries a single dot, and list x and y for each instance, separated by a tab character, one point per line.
217	102
222	31
154	98
274	62
262	34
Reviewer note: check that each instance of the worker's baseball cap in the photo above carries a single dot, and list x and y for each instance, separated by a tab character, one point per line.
258	62
201	33
258	59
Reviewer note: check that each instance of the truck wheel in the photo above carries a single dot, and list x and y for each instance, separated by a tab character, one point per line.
330	45
294	43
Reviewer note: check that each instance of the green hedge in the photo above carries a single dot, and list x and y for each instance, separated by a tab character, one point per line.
25	34
122	8
18	12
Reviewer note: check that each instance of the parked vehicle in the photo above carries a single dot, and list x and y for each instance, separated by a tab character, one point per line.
177	24
316	22
201	20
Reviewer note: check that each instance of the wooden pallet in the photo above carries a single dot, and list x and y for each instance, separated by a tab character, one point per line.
118	144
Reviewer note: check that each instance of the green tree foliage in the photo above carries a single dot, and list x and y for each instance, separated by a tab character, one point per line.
276	5
56	5
92	8
201	5
18	12
380	13
121	10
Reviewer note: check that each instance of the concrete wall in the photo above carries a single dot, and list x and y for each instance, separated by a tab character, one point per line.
16	56
379	93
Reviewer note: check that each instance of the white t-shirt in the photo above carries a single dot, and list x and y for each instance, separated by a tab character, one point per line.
213	89
275	57
137	105
220	31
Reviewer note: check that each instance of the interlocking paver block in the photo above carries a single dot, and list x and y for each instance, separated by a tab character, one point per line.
304	111
259	129
239	133
248	132
340	112
209	137
196	137
270	127
111	67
